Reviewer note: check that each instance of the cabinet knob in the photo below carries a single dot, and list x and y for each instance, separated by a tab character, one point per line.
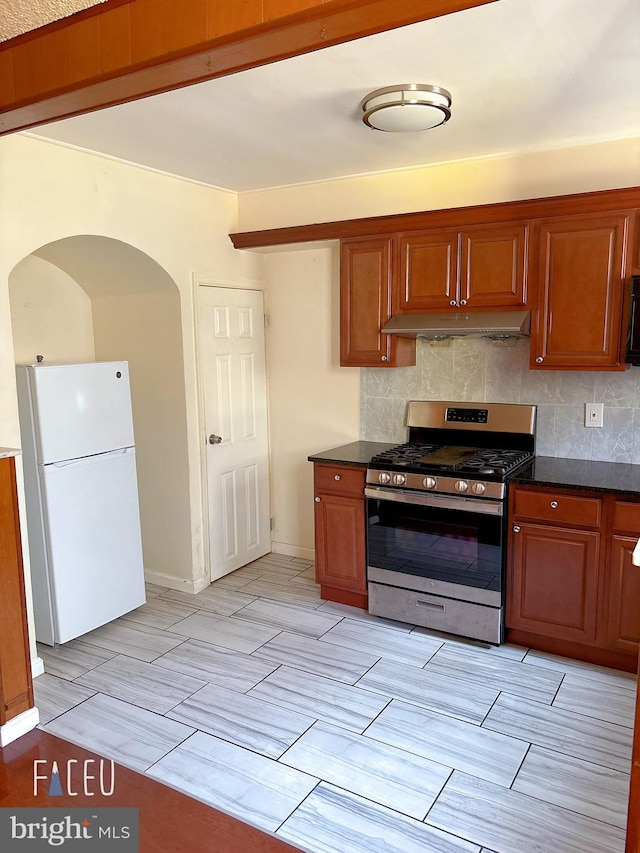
453	303
539	359
463	302
516	528
337	477
554	504
317	500
385	358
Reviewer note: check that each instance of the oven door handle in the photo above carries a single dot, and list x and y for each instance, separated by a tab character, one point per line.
482	506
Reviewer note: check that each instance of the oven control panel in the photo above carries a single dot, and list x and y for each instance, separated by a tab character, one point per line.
444	485
467	416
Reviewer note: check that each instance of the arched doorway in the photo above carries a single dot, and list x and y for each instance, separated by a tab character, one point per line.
86	298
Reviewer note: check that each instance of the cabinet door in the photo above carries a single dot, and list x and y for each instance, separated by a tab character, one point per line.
366	278
493	267
428	272
553	586
340	542
623	617
16	688
580	291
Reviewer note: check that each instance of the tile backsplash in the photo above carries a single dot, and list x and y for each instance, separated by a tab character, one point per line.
474	370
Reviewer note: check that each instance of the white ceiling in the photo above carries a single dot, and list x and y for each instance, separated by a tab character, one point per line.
524	75
20	16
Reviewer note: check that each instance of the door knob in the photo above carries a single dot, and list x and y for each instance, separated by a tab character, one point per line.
215	439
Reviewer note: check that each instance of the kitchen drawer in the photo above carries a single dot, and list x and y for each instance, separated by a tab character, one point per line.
557	508
339	480
626	516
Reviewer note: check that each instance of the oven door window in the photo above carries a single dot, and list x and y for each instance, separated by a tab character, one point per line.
449	545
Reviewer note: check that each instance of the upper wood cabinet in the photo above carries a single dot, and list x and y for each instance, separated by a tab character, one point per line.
493	267
429	279
580	315
478	267
366	280
567	259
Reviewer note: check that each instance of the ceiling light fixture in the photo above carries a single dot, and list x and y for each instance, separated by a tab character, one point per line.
406	107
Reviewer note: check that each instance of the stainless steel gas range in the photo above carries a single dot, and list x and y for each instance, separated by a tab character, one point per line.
436	510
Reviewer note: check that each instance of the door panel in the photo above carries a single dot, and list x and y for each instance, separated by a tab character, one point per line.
233	376
80	409
581	284
493	266
553	583
623	622
94	549
428	272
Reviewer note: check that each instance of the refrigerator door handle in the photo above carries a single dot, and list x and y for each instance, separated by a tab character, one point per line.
121	451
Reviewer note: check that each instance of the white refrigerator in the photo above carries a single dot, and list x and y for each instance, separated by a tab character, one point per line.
83	520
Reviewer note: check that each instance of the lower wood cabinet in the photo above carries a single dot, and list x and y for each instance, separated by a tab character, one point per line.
623	606
341	568
16	689
554	582
623	579
571	586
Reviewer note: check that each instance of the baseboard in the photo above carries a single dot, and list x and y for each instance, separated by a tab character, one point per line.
294	551
18	726
37	667
192	587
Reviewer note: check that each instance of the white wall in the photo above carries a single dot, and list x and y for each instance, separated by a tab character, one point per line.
50	314
49	192
313	402
586	168
144	329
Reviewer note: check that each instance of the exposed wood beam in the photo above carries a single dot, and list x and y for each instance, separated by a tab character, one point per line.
127	49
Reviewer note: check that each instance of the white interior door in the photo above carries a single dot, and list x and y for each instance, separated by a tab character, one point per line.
233	376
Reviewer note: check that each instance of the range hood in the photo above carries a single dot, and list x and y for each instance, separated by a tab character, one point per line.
496	325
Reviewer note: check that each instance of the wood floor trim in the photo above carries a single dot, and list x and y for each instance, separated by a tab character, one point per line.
169	821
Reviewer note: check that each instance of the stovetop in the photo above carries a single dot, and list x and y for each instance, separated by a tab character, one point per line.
465	449
419	458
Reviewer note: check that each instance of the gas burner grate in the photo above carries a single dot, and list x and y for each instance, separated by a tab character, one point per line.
404	454
500	461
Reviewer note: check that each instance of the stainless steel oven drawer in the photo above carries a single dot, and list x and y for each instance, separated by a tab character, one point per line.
433	611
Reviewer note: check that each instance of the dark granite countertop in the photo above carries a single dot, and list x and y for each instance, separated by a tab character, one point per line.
358	453
582	474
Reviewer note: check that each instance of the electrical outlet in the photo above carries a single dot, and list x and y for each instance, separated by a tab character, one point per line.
594	414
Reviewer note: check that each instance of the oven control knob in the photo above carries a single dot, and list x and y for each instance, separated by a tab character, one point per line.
399	479
429	482
384	477
478	488
461	486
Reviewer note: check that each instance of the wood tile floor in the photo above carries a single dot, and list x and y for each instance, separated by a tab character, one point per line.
344	733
